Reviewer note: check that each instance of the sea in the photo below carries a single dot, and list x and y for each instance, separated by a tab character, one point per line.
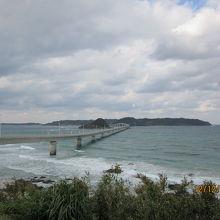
176	151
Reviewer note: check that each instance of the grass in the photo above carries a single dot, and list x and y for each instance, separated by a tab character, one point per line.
5	217
112	199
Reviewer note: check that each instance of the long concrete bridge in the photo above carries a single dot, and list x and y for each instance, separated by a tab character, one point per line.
53	139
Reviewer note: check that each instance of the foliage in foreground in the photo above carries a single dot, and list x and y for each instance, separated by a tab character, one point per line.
112	199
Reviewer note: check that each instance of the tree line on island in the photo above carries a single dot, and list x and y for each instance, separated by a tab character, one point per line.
100	123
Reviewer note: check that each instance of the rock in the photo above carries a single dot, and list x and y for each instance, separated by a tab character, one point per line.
47	181
173	186
41	180
36	180
42	177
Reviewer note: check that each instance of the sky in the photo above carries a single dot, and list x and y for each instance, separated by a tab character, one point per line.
194	4
102	58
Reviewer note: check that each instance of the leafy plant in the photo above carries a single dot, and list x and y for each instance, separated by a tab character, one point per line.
69	201
116	169
111	199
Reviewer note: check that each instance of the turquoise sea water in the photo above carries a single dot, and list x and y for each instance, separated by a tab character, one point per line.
177	151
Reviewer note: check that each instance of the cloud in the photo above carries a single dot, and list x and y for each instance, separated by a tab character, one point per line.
79	59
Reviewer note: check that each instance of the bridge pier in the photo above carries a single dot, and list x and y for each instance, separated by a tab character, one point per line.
93	138
79	142
53	148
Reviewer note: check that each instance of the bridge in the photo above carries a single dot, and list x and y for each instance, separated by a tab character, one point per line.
53	139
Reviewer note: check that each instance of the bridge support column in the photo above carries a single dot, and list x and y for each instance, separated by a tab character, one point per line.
79	142
93	138
53	148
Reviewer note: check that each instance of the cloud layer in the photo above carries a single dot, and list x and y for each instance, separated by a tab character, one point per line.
102	58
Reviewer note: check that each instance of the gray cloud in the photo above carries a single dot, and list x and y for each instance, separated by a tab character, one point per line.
79	59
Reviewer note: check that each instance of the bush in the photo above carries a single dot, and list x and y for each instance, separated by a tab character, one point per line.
18	188
69	201
114	169
112	199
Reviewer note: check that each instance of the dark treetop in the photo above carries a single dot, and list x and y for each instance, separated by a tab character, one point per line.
98	123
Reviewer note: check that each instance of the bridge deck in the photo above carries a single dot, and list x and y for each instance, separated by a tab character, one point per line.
48	138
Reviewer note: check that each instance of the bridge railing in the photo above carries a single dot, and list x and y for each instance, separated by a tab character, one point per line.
20	130
58	137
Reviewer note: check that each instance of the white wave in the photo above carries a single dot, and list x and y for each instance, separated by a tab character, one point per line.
27	157
23	147
80	151
77	166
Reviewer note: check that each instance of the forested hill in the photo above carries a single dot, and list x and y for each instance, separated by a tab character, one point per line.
140	122
98	123
77	122
69	122
128	120
163	121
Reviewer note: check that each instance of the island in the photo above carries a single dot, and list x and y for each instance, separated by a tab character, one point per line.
128	120
98	123
163	122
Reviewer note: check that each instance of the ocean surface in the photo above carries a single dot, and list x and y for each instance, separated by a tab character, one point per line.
177	151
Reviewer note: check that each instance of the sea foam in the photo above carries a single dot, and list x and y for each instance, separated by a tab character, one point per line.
23	147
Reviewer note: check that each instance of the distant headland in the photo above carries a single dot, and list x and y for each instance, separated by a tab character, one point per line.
140	122
128	120
163	122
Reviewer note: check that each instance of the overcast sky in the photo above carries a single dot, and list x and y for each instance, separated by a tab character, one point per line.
85	59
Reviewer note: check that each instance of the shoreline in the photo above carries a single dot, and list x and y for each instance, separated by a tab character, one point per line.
129	172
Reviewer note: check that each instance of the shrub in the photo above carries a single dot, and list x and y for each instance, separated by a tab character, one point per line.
18	188
111	199
69	201
116	169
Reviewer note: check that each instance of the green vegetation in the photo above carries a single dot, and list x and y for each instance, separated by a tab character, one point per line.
112	199
114	169
128	120
162	122
98	123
